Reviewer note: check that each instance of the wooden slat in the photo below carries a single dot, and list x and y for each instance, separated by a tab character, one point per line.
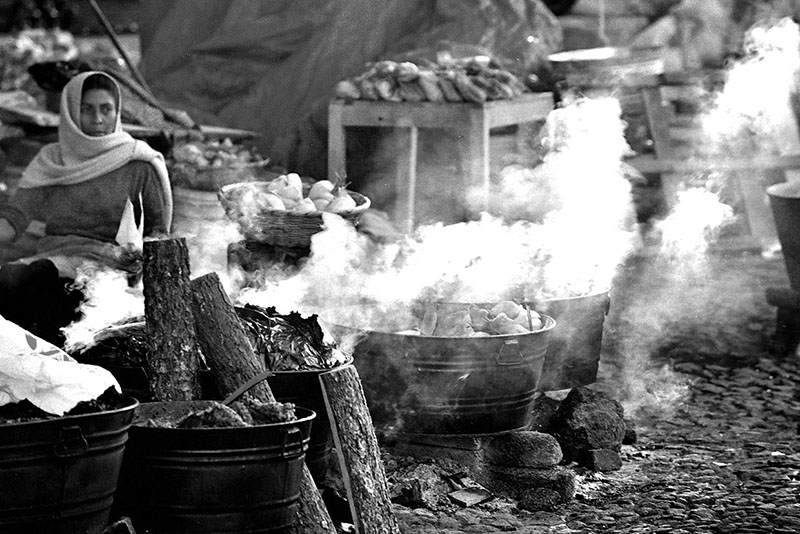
527	107
22	116
650	164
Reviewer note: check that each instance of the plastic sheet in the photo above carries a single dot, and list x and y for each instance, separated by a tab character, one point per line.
270	67
33	369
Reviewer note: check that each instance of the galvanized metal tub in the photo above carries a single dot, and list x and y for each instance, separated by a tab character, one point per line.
445	385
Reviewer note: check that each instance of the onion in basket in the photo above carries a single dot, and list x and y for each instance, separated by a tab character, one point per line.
341	202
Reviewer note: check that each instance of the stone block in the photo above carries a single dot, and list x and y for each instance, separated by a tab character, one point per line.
523	449
602	460
540	499
514	482
543	412
630	433
587	420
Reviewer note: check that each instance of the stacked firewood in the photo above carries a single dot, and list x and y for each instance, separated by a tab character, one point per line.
189	318
473	81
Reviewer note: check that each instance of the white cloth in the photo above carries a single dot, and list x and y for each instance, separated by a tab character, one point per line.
33	369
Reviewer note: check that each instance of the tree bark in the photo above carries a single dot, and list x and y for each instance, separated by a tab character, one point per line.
173	358
233	361
358	452
223	339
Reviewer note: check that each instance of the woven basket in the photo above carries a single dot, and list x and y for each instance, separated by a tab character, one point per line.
212	178
278	227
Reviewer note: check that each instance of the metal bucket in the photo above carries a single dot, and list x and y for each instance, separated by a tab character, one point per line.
609	66
302	388
220	480
573	353
448	385
785	201
58	476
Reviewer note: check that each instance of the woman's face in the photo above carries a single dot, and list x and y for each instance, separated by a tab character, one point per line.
98	113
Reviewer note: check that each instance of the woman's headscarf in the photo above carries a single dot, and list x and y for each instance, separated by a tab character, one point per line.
78	157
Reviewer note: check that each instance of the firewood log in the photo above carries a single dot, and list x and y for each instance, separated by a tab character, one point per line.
233	361
222	337
358	451
173	357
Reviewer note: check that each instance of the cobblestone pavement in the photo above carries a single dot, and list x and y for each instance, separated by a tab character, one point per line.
721	455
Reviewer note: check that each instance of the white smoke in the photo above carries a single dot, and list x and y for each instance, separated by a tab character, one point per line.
108	300
574	248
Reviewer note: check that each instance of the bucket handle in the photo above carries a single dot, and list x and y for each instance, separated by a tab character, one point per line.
241	390
513	357
71	442
291	432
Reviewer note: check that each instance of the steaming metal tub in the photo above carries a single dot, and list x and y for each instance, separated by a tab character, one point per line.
573	351
447	385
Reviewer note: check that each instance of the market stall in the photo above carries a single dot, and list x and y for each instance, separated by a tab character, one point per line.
536	351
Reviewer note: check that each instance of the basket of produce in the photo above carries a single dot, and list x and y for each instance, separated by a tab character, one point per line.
209	165
285	212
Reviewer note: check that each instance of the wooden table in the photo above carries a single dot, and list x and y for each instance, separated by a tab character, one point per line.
472	121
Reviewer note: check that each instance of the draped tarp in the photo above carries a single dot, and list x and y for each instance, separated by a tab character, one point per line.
271	66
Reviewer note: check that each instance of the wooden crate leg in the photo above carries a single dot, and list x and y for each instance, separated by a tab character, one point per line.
476	182
406	184
336	142
659	116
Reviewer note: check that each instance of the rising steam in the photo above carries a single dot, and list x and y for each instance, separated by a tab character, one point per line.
572	248
108	300
751	116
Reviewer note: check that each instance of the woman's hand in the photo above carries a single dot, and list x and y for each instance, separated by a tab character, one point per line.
7	232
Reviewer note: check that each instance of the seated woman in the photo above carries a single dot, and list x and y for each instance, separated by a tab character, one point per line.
81	199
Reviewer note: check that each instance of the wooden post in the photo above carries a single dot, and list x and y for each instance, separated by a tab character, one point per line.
358	451
406	181
337	141
173	358
233	361
477	154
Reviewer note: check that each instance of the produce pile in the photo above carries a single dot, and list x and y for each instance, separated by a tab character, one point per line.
288	193
29	47
506	317
408	82
214	153
207	165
